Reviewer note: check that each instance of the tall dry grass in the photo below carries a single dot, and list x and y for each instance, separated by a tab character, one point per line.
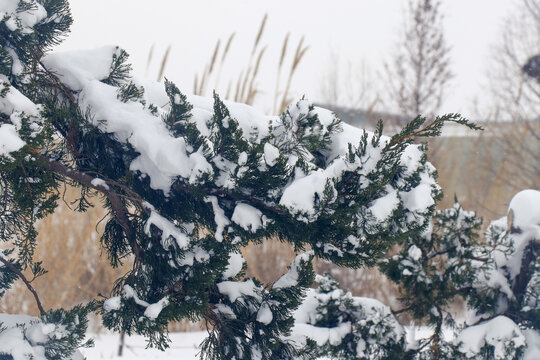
243	87
487	170
68	245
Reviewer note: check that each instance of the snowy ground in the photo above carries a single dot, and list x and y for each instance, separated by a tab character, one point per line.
184	346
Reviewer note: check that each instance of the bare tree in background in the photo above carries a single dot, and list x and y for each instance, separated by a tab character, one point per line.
514	74
419	73
514	78
351	85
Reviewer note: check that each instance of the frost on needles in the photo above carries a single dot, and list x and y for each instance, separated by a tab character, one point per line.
189	181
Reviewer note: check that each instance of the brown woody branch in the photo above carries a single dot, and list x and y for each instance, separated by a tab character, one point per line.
25	281
120	212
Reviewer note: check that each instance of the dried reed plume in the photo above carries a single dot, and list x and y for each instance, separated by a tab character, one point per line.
149	60
298	55
164	63
245	84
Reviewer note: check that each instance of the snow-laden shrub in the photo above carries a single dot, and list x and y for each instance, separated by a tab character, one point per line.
334	323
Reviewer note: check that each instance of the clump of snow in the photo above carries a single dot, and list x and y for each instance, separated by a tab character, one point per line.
264	315
97	182
235	289
365	324
384	206
410	158
168	231
291	277
129	293
15	102
271	153
323	335
196	254
419	198
9	140
236	261
501	333
414	252
526	208
112	304
16	106
76	68
247	216
153	310
219	217
299	196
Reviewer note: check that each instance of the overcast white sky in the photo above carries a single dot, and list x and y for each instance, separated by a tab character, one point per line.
357	30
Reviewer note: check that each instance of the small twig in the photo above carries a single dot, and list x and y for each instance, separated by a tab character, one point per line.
416	133
26	282
26	180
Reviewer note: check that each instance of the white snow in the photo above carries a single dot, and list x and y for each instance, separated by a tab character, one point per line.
533	345
290	278
410	158
129	293
163	157
499	332
25	20
383	207
526	207
113	303
322	335
184	346
23	344
9	140
414	252
76	68
236	261
168	230
271	153
197	253
16	102
247	216
242	158
97	182
419	198
15	105
299	196
219	217
153	310
264	315
235	289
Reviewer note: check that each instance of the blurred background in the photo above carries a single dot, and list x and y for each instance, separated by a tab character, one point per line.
366	60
